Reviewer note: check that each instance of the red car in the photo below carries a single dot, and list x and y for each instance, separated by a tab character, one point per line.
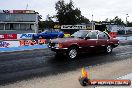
83	41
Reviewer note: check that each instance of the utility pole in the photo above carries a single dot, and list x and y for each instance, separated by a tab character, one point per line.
126	19
92	23
126	23
26	6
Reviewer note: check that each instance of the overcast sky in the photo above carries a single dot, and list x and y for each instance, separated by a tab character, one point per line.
101	9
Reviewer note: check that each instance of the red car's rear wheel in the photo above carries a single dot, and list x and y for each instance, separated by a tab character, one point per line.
108	49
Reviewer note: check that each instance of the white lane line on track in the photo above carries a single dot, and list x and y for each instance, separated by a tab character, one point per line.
126	53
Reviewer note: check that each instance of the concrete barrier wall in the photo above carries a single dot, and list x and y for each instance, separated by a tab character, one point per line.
17	43
20	42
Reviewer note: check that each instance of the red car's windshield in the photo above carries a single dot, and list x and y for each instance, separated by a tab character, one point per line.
80	34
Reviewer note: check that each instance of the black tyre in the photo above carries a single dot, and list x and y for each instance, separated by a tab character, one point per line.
58	36
40	37
108	49
84	81
72	53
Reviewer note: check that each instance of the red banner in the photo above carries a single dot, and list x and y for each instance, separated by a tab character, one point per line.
8	36
23	11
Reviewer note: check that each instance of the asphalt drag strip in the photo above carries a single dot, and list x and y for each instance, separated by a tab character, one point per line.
112	70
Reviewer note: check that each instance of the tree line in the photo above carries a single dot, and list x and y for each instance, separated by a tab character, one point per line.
68	14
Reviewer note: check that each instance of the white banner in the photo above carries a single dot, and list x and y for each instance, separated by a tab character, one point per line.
6	44
73	27
1	36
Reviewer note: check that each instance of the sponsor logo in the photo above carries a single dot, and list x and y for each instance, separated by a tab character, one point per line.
73	27
26	36
57	26
32	42
110	82
4	44
85	80
10	36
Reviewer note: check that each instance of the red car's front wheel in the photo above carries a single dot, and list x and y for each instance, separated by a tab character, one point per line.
72	53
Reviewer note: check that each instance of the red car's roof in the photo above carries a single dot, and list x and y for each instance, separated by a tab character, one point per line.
90	30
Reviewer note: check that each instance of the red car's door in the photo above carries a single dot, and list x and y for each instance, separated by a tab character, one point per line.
91	42
103	40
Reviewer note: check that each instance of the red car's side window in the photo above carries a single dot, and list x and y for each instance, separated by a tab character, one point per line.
92	35
102	35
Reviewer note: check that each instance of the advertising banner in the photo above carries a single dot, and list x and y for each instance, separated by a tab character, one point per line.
25	36
73	27
8	36
23	11
7	44
4	44
32	42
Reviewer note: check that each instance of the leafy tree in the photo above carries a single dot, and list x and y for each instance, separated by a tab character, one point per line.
117	21
129	24
47	24
68	14
41	25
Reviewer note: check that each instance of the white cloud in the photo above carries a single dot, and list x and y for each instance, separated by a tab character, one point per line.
101	9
